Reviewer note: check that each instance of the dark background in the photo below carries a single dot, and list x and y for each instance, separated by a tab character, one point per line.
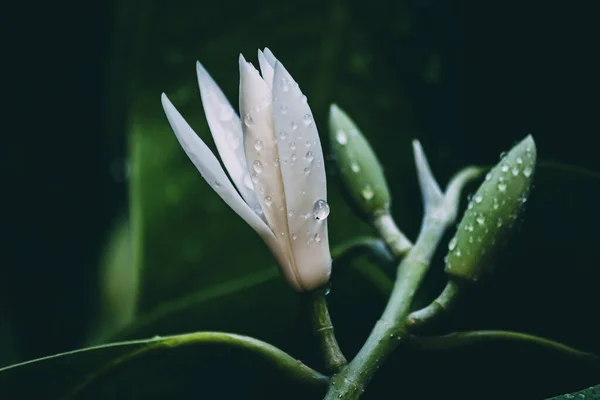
467	78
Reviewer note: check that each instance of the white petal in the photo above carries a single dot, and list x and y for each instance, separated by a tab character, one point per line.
263	161
303	170
266	68
211	170
269	57
226	130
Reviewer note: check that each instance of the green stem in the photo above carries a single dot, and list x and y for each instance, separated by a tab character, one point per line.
281	360
390	330
323	328
437	309
392	235
460	339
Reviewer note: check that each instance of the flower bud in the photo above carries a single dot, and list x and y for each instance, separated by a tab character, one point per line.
361	173
492	213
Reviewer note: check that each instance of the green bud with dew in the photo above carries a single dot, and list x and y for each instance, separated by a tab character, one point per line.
360	171
492	213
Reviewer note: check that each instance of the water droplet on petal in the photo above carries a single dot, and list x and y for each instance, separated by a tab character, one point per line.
307	119
285	85
257	166
317	237
341	137
268	201
355	167
294	158
293	146
480	219
303	99
504	168
254	177
499	222
294	125
282	135
248	120
306	171
527	171
515	171
478	198
284	109
488	176
310	156
258	145
519	160
294	236
217	184
320	210
502	187
452	243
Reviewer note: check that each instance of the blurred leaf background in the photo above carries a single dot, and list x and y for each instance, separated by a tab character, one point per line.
112	234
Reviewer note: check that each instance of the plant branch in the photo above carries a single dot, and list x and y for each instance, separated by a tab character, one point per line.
391	330
323	328
437	309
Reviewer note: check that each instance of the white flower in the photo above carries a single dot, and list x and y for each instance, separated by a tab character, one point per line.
275	161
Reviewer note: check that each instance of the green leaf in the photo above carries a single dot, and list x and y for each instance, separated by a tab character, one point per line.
168	367
591	393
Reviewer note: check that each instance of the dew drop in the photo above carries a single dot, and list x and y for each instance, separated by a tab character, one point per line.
303	99
317	237
367	192
480	219
306	171
310	156
478	198
515	171
527	171
307	119
307	143
294	236
294	125
258	145
320	210
285	85
254	177
305	216
248	120
341	137
488	176
519	160
293	146
217	184
457	253
282	135
499	222
290	213
502	187
470	239
257	166
452	243
284	109
355	167
504	168
268	200
275	162
294	158
502	154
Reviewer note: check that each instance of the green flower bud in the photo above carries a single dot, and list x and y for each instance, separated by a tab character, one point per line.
361	173
492	213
